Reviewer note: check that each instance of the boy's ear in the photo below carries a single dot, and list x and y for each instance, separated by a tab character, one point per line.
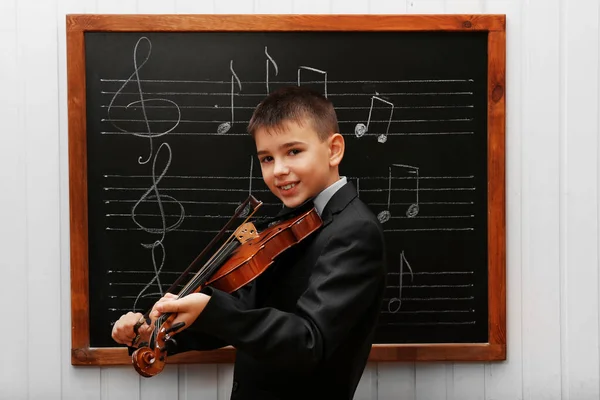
336	149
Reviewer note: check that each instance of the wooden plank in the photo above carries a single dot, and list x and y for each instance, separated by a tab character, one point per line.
579	200
395	378
273	6
430	381
43	197
350	7
78	192
387	7
117	7
234	6
13	211
194	7
367	386
225	379
540	224
496	192
198	381
311	6
273	23
156	7
119	382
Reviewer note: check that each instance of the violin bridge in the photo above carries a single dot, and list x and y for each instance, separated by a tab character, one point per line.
246	232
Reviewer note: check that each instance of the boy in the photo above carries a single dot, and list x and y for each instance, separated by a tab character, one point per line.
304	328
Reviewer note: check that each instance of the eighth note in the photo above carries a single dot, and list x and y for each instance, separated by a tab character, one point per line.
270	59
413	209
226	126
324	73
361	129
398	299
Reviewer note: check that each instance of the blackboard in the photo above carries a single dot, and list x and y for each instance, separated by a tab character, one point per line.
165	160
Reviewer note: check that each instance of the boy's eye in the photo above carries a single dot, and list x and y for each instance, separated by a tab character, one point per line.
266	159
293	152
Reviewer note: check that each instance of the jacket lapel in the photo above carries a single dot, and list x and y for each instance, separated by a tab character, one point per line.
338	202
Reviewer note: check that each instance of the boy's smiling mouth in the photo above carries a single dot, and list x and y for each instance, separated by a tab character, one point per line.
288	186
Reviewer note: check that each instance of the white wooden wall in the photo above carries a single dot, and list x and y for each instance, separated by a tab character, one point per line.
552	210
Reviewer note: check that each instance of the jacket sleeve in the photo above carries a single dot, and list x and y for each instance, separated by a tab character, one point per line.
194	339
345	281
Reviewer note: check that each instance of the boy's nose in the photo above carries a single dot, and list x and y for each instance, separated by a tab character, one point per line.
280	168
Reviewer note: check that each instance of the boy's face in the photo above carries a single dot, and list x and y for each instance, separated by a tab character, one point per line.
296	165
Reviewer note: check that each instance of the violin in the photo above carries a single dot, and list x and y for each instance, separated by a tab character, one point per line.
245	255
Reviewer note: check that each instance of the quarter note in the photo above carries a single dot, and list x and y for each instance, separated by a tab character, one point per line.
246	210
397	301
324	73
360	129
270	59
226	126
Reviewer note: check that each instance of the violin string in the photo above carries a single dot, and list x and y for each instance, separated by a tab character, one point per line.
186	289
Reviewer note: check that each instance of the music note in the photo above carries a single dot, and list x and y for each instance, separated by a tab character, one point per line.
246	210
360	129
413	209
226	126
398	300
270	59
314	70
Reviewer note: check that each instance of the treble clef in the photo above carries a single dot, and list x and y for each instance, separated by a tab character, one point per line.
142	102
157	245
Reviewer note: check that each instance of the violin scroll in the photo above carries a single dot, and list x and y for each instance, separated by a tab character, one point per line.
149	361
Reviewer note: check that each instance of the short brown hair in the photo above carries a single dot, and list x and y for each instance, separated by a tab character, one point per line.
298	104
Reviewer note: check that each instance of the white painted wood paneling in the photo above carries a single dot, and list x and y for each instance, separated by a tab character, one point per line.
311	6
37	36
541	253
273	6
349	7
234	7
552	210
13	210
579	199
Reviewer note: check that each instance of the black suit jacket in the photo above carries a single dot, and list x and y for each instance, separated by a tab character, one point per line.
304	328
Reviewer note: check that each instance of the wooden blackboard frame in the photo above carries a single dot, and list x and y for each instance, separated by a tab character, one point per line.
494	25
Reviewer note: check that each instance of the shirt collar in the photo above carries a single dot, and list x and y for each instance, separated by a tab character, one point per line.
323	198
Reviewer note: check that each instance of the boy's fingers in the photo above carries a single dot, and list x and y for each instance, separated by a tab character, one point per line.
169	306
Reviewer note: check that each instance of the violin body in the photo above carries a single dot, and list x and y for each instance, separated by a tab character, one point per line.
255	253
258	253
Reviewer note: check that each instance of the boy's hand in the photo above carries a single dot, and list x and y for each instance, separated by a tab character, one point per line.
187	308
123	333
